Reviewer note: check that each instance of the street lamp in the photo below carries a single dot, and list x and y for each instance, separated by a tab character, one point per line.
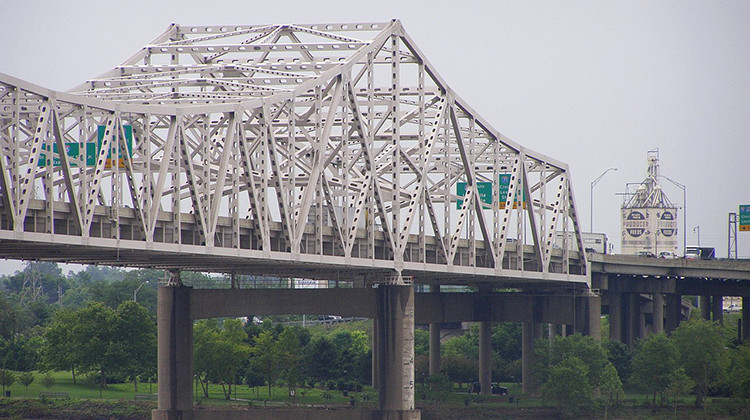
684	211
135	293
593	183
698	229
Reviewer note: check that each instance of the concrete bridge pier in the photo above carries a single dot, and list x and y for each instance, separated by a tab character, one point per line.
705	304
615	316
658	313
175	351
717	308
395	347
674	308
435	362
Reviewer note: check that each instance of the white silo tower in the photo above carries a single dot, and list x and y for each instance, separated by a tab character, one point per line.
649	219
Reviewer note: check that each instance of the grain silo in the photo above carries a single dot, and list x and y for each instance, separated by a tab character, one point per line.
649	219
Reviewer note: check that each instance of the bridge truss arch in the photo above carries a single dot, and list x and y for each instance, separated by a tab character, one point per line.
299	150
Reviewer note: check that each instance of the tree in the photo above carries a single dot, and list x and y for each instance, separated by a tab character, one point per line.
506	340
585	348
568	385
620	357
58	347
322	360
219	351
610	386
459	369
133	340
679	385
91	337
701	353
48	381
290	353
266	358
26	378
654	362
7	378
739	372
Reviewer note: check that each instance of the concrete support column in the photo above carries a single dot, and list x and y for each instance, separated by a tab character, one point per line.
745	319
705	304
485	357
658	313
593	327
674	308
615	316
435	363
175	352
396	350
375	353
717	308
530	332
633	319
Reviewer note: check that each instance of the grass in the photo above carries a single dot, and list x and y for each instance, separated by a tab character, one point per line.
81	390
117	402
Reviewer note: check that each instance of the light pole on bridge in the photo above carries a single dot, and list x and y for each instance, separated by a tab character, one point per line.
684	210
135	293
698	229
593	184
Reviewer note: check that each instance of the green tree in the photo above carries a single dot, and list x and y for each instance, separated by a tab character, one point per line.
739	371
91	337
58	347
610	386
322	360
568	385
584	348
654	362
26	379
459	369
701	353
133	341
7	378
506	340
290	353
219	351
620	357
266	358
679	384
48	381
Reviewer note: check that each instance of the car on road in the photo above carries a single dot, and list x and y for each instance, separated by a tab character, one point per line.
648	254
667	255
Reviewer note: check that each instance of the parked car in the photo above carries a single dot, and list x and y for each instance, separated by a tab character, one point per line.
476	388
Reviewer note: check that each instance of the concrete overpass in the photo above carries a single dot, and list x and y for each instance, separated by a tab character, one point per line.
643	295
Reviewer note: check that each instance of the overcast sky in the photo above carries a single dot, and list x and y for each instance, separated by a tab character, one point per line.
593	84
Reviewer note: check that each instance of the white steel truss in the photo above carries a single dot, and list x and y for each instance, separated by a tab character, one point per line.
336	145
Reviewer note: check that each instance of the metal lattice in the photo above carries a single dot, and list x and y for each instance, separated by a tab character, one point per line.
279	148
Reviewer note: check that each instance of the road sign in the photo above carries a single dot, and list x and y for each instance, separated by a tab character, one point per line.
485	193
745	217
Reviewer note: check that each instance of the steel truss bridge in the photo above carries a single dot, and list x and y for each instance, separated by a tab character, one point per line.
298	150
327	151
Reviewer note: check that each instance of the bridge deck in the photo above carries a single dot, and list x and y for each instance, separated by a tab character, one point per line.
367	264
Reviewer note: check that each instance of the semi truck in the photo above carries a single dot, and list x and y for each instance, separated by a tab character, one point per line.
700	253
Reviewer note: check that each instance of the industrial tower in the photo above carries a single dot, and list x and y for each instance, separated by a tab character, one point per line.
649	219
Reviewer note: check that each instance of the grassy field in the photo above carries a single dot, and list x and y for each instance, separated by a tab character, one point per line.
117	401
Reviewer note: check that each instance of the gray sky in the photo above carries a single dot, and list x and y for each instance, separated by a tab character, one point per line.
593	84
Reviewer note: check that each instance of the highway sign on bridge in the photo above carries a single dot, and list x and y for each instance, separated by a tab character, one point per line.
745	217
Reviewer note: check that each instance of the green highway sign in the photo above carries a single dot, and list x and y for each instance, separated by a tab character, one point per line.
485	193
745	217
